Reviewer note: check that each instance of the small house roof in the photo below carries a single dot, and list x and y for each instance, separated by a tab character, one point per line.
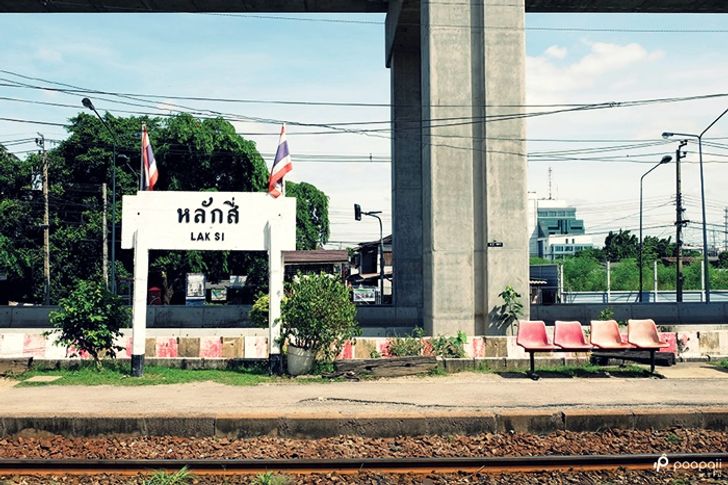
316	256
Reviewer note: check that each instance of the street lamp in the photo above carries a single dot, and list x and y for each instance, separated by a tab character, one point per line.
88	104
357	216
665	159
699	137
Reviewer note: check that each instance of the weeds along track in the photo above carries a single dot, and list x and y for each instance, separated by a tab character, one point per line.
426	466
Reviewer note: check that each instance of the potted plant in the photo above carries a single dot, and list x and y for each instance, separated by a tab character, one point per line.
317	317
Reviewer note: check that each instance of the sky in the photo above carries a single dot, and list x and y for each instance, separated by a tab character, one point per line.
571	59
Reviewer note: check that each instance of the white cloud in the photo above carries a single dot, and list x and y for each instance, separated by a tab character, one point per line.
48	55
556	52
548	82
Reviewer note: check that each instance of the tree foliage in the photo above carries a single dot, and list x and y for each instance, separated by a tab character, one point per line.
21	233
318	315
620	245
312	215
89	320
192	154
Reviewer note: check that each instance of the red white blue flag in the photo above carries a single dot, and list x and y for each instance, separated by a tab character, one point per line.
282	164
149	178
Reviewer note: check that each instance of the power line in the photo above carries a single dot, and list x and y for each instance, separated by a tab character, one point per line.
534	28
81	90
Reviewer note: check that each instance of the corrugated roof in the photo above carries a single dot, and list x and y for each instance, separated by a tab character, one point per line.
316	256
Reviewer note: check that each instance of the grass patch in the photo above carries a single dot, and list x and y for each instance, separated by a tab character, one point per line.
117	374
590	370
723	364
270	478
181	477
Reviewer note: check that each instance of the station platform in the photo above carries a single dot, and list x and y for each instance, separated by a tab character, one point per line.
689	395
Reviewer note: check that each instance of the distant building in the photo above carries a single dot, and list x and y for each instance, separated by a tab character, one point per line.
331	261
554	230
366	267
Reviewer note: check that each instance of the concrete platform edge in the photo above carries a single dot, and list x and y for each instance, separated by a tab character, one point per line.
537	421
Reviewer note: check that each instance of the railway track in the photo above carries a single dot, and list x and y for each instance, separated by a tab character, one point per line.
521	464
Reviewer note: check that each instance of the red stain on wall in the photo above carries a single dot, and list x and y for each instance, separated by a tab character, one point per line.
211	347
671	339
477	347
166	347
347	351
34	345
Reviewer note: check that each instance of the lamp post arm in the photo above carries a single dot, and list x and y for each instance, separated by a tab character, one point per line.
108	128
714	122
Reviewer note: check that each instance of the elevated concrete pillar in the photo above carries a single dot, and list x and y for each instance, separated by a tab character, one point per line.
407	178
472	173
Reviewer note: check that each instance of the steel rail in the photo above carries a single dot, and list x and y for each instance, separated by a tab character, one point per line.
509	464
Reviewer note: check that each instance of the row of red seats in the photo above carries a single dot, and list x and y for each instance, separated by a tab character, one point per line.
603	335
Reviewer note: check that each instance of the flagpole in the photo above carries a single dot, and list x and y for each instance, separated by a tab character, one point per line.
283	180
141	159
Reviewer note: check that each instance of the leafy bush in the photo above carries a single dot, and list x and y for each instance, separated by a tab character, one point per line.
259	312
452	347
89	320
505	315
318	315
606	314
407	345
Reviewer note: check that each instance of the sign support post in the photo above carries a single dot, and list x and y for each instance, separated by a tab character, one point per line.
139	322
275	284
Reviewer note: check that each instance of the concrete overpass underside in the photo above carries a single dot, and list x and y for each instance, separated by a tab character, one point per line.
641	6
458	175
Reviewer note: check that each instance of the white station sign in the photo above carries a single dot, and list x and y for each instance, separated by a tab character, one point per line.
207	221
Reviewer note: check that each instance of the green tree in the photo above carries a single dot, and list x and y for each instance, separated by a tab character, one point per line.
583	272
723	259
620	245
626	277
90	320
21	233
192	154
312	215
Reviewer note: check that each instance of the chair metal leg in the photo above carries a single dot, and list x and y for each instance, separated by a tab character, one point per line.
532	372
652	361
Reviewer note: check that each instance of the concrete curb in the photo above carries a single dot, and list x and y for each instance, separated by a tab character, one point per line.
391	425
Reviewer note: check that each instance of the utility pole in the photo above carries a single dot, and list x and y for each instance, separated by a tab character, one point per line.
550	193
105	231
679	224
725	229
40	141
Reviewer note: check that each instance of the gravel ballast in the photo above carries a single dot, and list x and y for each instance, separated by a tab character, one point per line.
676	440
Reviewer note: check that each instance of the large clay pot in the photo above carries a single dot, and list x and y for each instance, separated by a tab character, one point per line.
300	361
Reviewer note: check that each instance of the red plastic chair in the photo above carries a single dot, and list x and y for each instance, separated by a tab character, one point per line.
643	335
533	338
570	336
605	335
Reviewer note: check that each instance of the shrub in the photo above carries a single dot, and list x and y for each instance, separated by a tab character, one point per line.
503	316
318	315
407	345
259	312
450	346
606	314
89	320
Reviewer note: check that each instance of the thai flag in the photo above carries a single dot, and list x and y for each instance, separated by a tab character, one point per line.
150	165
281	165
